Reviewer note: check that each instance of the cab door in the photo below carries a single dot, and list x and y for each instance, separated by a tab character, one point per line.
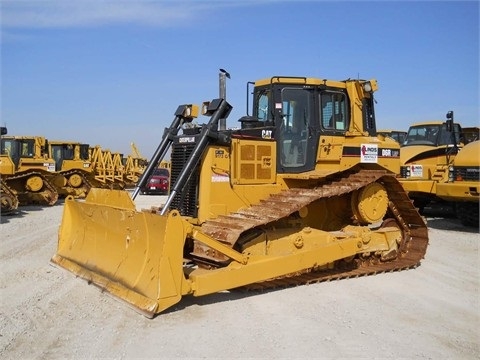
296	150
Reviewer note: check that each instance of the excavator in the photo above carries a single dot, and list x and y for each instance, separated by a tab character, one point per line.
302	191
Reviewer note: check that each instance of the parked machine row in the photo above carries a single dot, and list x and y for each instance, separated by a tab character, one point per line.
35	170
397	135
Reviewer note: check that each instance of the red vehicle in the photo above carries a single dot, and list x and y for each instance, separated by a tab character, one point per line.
158	183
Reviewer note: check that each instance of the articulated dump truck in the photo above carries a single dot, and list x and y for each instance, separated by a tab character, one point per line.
428	156
303	191
463	187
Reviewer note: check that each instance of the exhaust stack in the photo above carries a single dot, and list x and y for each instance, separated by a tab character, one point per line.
223	75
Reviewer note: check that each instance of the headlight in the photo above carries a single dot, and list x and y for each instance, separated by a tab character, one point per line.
405	171
451	174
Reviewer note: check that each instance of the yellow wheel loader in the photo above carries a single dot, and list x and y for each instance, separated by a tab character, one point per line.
303	191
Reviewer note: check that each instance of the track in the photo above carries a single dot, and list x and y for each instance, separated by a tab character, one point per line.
8	199
230	228
47	195
77	192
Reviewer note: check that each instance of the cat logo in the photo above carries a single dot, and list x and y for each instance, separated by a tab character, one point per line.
266	134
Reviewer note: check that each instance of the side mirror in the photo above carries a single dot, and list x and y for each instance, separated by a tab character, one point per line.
3	130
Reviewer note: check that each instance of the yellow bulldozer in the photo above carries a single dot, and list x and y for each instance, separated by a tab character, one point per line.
84	167
8	198
303	191
73	163
27	170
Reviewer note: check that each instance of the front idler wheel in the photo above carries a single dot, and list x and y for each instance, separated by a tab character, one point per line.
370	203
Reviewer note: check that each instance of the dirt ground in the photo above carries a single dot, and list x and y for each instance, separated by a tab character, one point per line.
429	312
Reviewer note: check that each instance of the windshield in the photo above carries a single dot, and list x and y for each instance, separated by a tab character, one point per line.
400	137
431	134
161	172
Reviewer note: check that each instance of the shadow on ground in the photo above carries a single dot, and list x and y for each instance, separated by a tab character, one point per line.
443	217
24	210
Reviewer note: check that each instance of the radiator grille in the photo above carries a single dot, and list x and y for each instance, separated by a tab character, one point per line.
467	173
185	201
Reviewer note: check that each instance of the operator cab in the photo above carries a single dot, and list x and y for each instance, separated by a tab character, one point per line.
433	134
17	148
295	114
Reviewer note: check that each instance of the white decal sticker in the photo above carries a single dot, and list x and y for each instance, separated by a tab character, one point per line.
416	170
50	167
369	153
220	178
190	139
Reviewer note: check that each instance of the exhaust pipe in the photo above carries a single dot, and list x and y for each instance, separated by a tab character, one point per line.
223	75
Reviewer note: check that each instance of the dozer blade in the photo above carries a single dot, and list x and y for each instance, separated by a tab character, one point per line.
136	256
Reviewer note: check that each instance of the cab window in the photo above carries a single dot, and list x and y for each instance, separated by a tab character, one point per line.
84	152
263	103
333	111
6	147
27	148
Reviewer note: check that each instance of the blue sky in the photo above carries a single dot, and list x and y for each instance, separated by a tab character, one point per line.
113	72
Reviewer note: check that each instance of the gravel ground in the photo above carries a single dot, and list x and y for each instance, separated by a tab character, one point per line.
429	312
